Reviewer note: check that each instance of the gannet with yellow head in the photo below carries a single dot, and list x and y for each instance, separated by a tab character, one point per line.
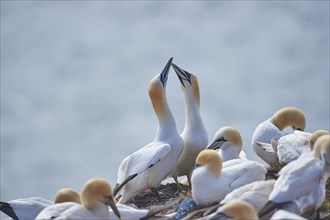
29	208
228	142
96	196
273	128
194	133
236	210
151	164
300	187
211	182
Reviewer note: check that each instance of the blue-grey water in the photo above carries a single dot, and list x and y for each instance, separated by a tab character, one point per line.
74	77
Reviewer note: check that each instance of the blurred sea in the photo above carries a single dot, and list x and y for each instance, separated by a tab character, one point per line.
74	77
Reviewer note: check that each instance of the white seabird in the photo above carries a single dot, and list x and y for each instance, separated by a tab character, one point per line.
96	196
151	164
194	133
211	183
300	187
228	142
273	128
29	208
255	193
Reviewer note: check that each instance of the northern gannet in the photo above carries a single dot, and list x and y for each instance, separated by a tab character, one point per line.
273	128
236	210
151	164
96	196
211	183
228	142
255	193
300	187
29	208
194	134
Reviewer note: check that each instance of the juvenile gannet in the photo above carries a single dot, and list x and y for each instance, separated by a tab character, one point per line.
211	183
194	133
96	196
29	208
151	164
300	187
236	210
273	128
228	142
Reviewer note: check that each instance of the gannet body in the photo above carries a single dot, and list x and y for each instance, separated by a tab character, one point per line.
273	128
29	208
211	183
96	196
236	209
127	212
152	163
302	182
255	193
283	214
194	133
228	142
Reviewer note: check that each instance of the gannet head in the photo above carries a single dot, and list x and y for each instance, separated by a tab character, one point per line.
210	159
188	81
157	87
224	136
315	136
67	195
98	190
238	210
289	116
322	148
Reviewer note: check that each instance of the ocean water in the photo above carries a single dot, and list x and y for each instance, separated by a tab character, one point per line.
74	78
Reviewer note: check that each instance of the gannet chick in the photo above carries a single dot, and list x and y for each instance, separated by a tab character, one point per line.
228	142
273	128
29	208
255	193
96	196
211	183
151	164
194	133
300	187
236	210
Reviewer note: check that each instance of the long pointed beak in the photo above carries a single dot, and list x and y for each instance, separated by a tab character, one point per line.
182	74
164	74
215	145
108	200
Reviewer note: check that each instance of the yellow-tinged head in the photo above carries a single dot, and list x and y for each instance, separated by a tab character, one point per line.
98	190
289	116
67	195
188	81
322	148
239	210
315	136
224	135
211	159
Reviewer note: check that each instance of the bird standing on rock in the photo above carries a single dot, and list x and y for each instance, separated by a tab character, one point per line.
151	164
194	133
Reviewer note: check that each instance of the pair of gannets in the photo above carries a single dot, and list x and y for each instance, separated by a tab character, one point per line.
211	182
29	208
300	187
241	210
273	128
169	155
96	197
228	142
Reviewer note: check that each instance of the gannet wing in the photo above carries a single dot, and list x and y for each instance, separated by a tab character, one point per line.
141	160
296	182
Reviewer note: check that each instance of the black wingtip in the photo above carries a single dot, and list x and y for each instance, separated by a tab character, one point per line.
269	207
8	210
